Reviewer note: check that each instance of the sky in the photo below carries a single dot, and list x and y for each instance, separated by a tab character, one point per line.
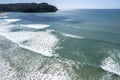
74	4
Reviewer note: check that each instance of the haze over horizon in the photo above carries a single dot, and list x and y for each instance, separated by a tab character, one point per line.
76	4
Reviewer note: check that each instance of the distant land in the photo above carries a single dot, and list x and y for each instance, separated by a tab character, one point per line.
27	7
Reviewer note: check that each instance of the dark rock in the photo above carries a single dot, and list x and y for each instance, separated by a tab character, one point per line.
27	7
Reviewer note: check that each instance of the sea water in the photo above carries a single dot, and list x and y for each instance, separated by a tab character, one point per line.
66	45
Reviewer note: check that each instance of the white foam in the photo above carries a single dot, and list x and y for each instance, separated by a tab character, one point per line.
2	23
111	66
56	70
42	76
37	26
39	42
37	68
4	27
71	36
6	71
12	20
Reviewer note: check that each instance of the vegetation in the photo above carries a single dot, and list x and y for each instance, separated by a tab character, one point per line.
27	7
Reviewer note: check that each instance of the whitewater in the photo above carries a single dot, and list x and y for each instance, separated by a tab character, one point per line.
66	45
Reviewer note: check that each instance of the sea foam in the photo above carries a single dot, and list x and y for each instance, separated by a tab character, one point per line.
37	26
33	67
110	65
42	42
6	71
71	36
39	42
12	20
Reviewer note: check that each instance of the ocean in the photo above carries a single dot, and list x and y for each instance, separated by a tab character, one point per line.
67	45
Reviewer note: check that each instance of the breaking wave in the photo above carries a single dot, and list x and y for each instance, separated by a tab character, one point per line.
12	20
42	42
22	62
36	26
111	63
71	36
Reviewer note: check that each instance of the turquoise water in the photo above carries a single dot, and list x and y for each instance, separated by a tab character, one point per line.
87	44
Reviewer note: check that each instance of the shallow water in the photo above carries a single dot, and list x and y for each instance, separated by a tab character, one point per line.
66	45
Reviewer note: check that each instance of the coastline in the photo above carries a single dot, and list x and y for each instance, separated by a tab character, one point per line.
28	7
85	42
